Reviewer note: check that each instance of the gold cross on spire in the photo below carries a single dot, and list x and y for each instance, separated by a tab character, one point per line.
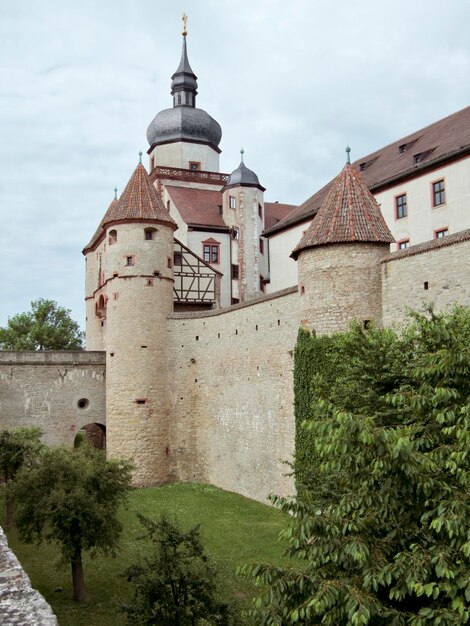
185	21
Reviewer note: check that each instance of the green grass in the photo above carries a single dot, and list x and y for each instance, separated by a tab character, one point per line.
235	531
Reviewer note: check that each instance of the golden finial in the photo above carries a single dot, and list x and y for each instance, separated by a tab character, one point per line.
185	22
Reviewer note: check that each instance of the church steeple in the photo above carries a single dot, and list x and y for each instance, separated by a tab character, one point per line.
184	80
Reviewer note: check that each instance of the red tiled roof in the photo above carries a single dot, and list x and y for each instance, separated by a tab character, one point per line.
100	230
274	212
349	213
427	246
197	207
408	157
139	201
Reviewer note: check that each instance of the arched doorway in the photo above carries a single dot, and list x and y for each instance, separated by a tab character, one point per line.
94	434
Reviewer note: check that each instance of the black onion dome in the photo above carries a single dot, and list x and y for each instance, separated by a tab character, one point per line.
183	122
243	176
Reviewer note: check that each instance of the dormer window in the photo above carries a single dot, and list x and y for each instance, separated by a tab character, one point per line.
112	237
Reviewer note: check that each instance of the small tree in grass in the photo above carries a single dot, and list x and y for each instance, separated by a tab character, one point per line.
175	585
17	448
71	498
389	543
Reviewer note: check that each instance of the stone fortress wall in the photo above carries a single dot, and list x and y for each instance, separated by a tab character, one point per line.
60	392
228	374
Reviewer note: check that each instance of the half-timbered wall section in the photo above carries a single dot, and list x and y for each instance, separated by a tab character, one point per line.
196	282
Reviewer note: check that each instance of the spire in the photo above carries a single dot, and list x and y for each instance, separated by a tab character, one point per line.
100	230
349	213
184	80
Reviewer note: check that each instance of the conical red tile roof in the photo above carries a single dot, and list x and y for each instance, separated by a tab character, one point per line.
100	228
139	201
349	213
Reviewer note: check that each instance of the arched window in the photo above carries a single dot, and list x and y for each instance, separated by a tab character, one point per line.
112	237
150	234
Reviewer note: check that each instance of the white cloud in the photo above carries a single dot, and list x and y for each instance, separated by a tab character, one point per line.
291	82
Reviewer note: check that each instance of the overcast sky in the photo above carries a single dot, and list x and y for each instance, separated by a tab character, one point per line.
293	82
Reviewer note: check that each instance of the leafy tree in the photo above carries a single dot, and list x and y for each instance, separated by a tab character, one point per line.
175	585
17	448
387	541
46	327
71	497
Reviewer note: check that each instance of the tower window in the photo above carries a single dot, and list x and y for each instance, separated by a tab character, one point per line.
152	163
438	193
129	260
235	233
112	237
150	234
261	245
401	208
260	210
220	209
235	273
195	166
232	202
179	98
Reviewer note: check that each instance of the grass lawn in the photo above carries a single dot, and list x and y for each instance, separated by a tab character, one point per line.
235	531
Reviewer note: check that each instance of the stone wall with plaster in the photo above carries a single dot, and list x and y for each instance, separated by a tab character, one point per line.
60	392
231	395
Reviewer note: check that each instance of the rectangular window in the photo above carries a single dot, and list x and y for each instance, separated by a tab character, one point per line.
232	202
261	283
152	164
235	233
195	166
129	260
403	244
260	210
401	209
442	232
211	253
235	272
177	258
438	193
261	245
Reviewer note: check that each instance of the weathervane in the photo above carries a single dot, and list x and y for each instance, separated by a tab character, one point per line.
185	21
348	152
242	152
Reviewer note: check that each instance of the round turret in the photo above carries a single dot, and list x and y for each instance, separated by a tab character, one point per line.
339	258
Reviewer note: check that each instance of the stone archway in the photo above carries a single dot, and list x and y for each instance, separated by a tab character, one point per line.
94	434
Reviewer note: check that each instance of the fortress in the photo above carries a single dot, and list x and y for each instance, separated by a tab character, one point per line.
196	288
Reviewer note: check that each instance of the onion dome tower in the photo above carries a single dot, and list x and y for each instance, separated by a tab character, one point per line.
130	307
243	206
184	136
339	258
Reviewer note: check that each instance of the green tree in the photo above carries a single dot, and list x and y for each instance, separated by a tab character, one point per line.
71	498
46	327
17	448
388	541
175	585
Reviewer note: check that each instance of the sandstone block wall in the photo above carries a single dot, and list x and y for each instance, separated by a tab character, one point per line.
339	283
231	396
60	392
426	274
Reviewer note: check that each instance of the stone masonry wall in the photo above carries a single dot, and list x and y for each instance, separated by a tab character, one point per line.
20	604
231	395
436	272
60	392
